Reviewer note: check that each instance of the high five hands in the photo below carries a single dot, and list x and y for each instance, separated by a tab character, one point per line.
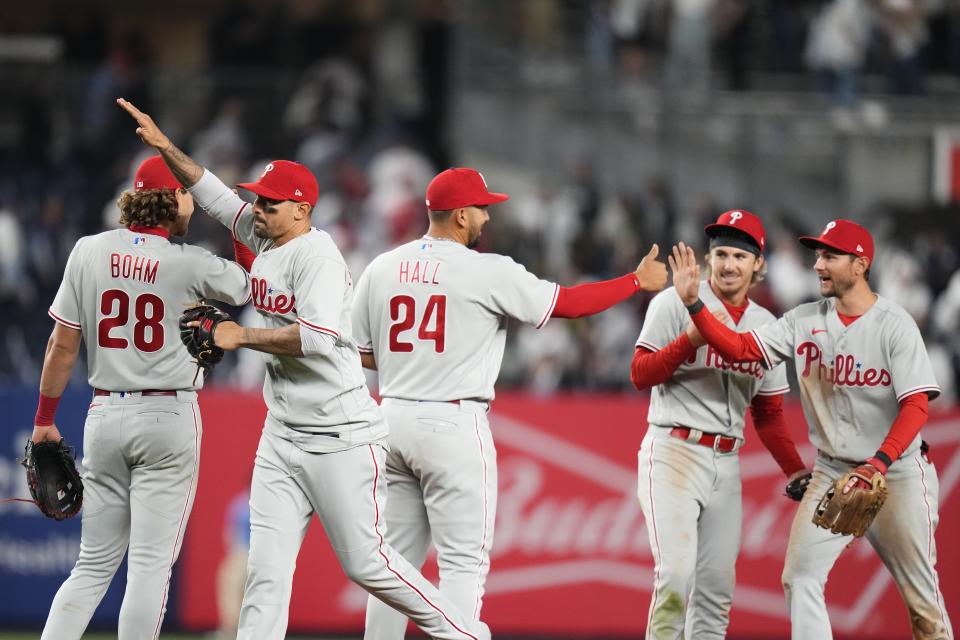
651	273
686	273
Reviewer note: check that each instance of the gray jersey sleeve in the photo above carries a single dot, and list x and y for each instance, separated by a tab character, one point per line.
319	288
665	320
221	202
777	339
66	305
221	279
361	313
515	292
910	365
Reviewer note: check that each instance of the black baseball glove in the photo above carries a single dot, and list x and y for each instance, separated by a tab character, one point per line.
798	486
53	478
199	340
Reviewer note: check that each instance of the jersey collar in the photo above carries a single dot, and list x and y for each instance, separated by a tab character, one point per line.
154	231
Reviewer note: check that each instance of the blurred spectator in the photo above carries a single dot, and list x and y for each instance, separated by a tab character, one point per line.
903	22
232	571
688	49
836	51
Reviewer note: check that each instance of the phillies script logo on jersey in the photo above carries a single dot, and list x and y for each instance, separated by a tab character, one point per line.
716	361
266	298
844	371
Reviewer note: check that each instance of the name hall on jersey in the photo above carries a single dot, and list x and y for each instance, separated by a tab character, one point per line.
132	267
422	272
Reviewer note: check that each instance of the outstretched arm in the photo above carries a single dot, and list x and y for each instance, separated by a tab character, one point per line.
733	346
184	168
593	297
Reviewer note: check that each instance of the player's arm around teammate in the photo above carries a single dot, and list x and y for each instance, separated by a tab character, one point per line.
865	381
696	423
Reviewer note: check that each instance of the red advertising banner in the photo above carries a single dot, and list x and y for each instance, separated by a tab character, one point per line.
571	557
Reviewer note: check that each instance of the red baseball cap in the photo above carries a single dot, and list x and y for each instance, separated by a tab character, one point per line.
742	221
843	236
285	180
153	173
461	187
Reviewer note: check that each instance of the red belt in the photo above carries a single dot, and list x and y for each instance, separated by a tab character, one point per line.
723	444
145	392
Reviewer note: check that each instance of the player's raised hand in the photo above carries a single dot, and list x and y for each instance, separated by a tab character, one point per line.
651	273
686	273
147	129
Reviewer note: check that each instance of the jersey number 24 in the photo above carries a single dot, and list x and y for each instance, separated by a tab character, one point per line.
403	313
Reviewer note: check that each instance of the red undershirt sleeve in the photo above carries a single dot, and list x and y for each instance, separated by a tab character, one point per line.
594	297
911	417
771	426
733	346
650	368
243	255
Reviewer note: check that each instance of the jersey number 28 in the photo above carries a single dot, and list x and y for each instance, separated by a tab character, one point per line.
403	313
148	312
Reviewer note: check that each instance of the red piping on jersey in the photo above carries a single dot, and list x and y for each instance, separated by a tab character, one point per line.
317	327
66	323
242	255
183	517
651	367
936	577
732	346
233	227
483	539
153	231
386	560
771	426
594	297
553	303
656	538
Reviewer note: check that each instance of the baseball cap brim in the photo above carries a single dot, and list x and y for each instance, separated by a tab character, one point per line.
814	242
492	198
265	191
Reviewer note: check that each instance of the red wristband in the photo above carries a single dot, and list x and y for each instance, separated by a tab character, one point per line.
46	410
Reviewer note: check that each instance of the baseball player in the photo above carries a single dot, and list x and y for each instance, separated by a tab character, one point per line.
122	293
431	316
696	422
865	381
322	445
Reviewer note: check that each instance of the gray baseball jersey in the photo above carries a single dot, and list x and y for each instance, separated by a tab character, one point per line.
851	378
304	281
706	392
318	404
435	314
125	291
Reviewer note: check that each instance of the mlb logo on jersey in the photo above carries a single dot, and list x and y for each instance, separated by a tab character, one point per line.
139	240
426	245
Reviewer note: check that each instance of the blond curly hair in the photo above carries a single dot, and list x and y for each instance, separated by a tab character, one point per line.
148	208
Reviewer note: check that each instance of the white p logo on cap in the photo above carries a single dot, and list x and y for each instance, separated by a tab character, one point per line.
268	168
736	215
826	229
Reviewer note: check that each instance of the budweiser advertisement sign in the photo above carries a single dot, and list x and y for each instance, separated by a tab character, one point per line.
571	557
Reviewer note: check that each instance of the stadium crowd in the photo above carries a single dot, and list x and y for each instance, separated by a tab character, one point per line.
358	93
